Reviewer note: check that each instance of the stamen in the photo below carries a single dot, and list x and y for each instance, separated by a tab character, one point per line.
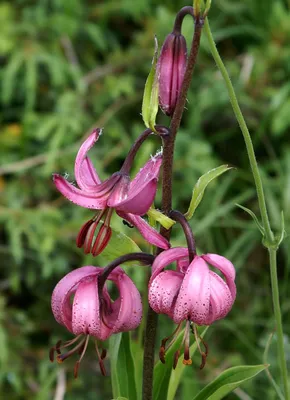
101	364
103	354
91	232
162	354
176	358
84	348
163	348
102	240
186	360
202	353
51	354
175	334
61	357
86	236
81	237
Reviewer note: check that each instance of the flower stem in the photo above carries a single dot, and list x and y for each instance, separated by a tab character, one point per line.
162	132
269	241
144	258
180	218
167	166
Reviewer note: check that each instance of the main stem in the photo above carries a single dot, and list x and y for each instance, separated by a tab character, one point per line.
269	237
167	167
278	318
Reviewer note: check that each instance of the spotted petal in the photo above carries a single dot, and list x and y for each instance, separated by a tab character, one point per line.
149	233
194	295
86	317
127	309
60	300
226	267
142	189
167	257
96	200
221	300
85	173
163	291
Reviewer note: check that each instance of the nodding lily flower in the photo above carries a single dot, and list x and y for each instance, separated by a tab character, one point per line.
130	199
77	304
192	293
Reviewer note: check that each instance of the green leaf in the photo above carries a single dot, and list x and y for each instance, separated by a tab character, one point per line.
119	244
250	212
229	380
158	216
176	374
121	398
164	372
150	97
9	80
201	184
279	238
122	367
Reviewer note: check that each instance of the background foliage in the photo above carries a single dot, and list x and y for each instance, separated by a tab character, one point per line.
67	67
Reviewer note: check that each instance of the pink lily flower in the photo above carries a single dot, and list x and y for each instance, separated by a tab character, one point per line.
130	199
193	292
76	304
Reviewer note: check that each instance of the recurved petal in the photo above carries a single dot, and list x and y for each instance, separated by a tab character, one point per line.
142	189
86	311
221	300
96	200
226	267
141	202
167	257
149	233
194	295
163	291
85	173
127	309
60	300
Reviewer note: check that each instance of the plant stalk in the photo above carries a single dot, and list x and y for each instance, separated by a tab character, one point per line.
278	318
269	241
167	167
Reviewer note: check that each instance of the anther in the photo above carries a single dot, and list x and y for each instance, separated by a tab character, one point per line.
162	354
175	359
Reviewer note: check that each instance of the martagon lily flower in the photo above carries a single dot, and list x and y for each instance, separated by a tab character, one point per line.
130	199
77	304
192	293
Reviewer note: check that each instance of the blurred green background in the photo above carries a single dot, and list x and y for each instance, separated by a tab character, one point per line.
69	66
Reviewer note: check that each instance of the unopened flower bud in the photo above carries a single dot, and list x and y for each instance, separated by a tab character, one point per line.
171	69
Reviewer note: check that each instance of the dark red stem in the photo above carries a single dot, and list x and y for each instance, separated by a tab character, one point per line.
144	258
161	130
180	218
187	10
168	151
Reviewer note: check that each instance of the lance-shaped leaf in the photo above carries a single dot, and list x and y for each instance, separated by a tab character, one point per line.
200	187
158	216
229	380
150	97
280	236
253	215
122	367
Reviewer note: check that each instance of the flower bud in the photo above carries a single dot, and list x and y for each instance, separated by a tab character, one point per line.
171	69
